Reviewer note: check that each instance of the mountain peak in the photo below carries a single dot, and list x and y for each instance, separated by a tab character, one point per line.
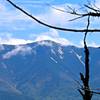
60	42
47	42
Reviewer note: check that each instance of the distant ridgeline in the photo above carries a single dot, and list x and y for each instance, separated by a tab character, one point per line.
45	70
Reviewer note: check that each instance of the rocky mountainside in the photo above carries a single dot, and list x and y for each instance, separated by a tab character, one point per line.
45	70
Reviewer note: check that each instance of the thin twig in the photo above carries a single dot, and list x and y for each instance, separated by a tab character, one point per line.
91	8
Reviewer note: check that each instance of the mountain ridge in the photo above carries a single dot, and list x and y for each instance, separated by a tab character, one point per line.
46	70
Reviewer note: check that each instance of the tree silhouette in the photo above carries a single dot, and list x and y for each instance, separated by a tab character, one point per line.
85	89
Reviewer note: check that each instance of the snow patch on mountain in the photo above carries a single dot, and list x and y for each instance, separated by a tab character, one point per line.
53	51
78	56
18	49
53	59
4	65
61	53
60	50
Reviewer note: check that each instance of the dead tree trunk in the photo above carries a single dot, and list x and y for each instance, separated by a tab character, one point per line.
85	89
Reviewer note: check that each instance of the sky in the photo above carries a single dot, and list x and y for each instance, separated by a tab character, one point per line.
17	28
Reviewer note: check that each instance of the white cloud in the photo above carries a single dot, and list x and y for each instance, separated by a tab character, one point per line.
52	16
59	40
56	17
2	7
11	18
97	3
90	44
53	35
17	41
11	15
18	49
6	38
14	41
44	43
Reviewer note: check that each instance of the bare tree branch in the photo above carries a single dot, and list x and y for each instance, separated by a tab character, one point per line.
91	8
51	26
58	9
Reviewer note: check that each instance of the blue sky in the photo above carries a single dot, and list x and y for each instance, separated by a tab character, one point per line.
17	28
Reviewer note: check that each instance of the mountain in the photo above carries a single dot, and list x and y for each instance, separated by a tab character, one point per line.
45	70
